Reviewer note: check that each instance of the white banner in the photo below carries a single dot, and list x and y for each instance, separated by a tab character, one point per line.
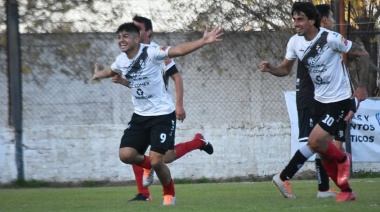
364	129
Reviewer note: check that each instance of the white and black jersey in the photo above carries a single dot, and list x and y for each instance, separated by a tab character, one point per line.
323	58
168	70
304	88
144	73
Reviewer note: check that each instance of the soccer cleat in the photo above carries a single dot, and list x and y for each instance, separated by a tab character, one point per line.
346	196
148	177
169	200
141	197
344	170
283	186
327	194
207	146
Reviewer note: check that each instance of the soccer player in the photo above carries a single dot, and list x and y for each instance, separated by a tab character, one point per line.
144	177
320	51
153	121
304	101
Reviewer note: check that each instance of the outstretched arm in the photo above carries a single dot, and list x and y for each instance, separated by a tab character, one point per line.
209	37
279	71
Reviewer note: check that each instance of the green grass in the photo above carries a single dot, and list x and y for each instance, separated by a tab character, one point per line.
236	196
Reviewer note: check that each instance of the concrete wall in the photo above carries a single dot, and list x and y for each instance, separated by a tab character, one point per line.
72	154
79	153
72	127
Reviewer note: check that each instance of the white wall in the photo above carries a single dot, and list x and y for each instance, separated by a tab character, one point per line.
90	153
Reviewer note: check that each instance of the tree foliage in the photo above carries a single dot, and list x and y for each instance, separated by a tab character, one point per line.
234	15
45	16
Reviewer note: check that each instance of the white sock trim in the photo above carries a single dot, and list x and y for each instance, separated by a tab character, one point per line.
305	151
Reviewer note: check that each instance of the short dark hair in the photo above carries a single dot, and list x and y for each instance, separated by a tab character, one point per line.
128	27
309	9
146	21
324	10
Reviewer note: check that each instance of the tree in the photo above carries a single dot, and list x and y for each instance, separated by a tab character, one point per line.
248	15
362	21
46	16
363	17
234	15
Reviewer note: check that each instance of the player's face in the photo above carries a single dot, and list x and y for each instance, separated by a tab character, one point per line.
330	21
127	41
302	24
144	38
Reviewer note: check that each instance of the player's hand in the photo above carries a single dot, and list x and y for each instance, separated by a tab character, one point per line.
212	36
349	116
116	79
264	66
96	73
180	113
360	94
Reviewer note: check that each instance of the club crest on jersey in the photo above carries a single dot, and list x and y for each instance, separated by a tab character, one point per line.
142	63
318	48
343	40
311	61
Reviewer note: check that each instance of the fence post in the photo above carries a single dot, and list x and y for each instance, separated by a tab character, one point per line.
14	82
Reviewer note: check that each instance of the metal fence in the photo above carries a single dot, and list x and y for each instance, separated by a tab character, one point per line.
222	81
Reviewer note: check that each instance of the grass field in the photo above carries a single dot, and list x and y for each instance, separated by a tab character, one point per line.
242	196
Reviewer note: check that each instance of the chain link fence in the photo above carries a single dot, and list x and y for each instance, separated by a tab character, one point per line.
222	81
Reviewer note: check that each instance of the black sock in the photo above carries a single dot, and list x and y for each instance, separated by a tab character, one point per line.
293	166
322	177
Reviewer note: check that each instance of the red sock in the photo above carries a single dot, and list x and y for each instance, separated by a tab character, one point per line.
331	167
169	188
186	147
138	171
146	163
334	153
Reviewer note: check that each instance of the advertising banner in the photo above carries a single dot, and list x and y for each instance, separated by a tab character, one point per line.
364	129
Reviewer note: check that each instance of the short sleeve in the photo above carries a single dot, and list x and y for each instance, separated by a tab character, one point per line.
338	43
290	49
158	53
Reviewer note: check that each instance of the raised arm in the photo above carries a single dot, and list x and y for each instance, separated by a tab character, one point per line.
209	37
282	70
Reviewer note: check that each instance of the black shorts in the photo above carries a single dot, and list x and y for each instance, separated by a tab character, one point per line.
156	131
305	124
330	116
340	134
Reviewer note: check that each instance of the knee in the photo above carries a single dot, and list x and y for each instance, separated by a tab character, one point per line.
127	156
125	159
169	157
315	145
157	163
312	144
